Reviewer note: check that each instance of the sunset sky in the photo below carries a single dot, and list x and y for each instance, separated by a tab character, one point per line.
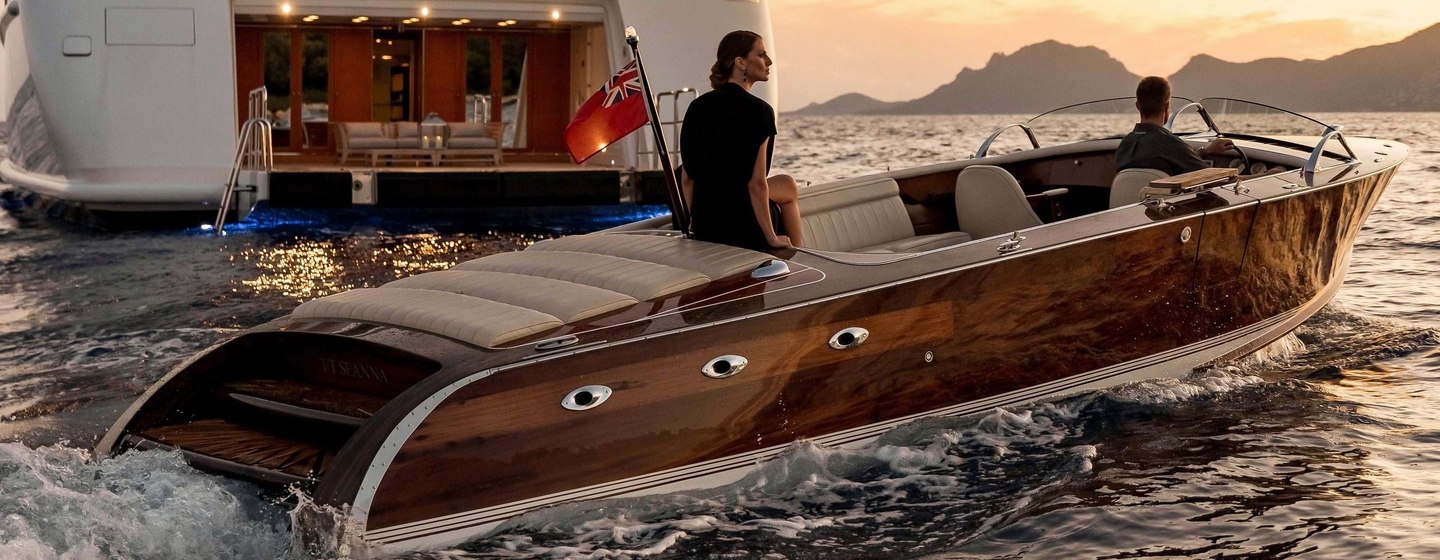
897	50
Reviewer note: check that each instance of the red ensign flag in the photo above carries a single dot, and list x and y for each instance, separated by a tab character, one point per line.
617	109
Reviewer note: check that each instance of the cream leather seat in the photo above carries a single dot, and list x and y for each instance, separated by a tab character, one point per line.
1125	189
989	201
866	217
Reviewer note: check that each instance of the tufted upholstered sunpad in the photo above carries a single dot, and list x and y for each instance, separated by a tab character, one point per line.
509	296
638	279
567	301
470	319
711	259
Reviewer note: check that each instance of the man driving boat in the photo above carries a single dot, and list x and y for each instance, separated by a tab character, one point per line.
1151	145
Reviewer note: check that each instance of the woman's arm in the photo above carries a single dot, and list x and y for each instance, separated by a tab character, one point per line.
760	200
687	188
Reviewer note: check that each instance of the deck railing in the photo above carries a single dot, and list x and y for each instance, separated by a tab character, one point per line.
254	151
674	121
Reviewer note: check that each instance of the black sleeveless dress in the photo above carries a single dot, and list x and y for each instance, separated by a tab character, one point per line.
723	131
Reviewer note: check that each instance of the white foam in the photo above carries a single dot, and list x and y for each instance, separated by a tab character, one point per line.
56	503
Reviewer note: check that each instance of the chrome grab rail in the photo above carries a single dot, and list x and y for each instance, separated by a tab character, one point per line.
985	146
1331	131
254	150
675	122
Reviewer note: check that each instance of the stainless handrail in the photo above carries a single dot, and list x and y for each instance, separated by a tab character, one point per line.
1331	131
675	122
985	146
254	150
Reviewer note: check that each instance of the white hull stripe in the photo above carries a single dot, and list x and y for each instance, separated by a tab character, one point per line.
637	485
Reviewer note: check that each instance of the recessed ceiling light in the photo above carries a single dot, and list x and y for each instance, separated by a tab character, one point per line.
509	22
457	22
425	11
554	14
311	18
386	57
360	19
286	8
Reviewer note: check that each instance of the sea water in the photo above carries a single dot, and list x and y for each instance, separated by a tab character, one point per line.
1324	445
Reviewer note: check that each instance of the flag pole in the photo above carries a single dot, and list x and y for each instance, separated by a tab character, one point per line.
681	211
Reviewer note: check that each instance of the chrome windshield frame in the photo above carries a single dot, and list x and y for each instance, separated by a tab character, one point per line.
984	148
1330	131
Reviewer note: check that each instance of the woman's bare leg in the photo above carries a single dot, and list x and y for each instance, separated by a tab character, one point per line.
785	192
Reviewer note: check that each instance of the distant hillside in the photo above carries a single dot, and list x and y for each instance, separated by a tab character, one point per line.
848	104
1399	76
1033	79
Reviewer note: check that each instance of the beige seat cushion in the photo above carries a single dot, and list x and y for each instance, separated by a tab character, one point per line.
407	134
989	202
469	319
919	243
854	216
471	142
355	130
469	130
567	301
1125	189
641	280
370	143
713	260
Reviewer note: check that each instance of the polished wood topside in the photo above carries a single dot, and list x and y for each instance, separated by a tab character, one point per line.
956	325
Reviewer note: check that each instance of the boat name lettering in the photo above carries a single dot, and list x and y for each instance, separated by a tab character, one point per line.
353	370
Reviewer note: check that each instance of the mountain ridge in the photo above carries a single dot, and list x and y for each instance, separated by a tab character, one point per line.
1396	76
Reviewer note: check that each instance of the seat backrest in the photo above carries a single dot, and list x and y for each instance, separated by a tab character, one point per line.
1125	189
989	201
406	129
468	130
854	216
363	129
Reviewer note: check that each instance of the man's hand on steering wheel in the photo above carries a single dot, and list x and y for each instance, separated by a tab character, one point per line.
1218	146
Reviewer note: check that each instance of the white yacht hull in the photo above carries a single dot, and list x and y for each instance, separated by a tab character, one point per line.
133	104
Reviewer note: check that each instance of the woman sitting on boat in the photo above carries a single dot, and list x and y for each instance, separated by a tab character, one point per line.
728	141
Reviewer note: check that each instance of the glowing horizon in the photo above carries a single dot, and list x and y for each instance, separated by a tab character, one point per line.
897	50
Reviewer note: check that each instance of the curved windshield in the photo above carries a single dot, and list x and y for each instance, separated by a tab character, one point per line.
1246	118
1106	118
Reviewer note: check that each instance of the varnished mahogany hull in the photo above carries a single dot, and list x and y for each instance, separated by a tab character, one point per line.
479	435
1070	314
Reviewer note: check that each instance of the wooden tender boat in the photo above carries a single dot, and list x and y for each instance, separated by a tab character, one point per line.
636	361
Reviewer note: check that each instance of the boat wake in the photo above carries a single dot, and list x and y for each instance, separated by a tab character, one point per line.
56	503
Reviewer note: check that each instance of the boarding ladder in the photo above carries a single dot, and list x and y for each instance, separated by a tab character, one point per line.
253	152
674	120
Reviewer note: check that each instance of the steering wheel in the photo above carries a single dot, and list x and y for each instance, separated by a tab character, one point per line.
1237	149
